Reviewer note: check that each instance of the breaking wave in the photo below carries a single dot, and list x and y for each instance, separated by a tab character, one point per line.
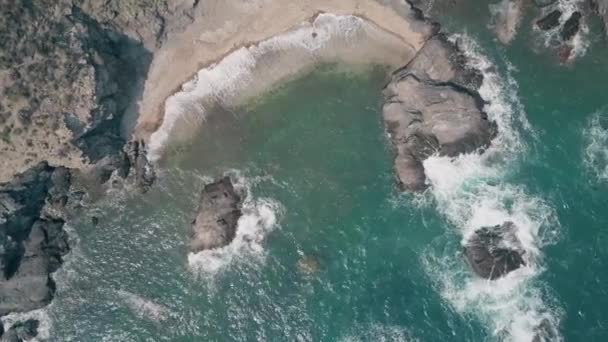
471	192
596	142
260	217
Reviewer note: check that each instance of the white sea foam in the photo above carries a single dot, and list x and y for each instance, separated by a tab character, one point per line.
251	71
471	192
596	142
260	216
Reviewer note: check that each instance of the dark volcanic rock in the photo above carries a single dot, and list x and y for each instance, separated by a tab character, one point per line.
218	214
432	106
21	331
32	239
571	26
138	162
549	21
494	251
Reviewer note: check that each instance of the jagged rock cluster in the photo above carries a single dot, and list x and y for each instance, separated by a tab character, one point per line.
217	218
32	239
432	107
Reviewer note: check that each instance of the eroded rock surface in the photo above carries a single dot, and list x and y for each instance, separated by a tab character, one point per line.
217	218
21	331
432	106
494	251
32	238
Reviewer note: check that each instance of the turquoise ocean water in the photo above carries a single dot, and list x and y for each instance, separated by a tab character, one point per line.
313	162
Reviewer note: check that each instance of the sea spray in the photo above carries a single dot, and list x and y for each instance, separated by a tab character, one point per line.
595	137
260	217
471	192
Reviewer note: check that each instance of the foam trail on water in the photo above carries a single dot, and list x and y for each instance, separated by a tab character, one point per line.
596	142
251	71
260	217
471	193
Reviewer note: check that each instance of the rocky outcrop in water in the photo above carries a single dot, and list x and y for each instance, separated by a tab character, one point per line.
571	26
217	218
32	237
432	106
549	21
494	251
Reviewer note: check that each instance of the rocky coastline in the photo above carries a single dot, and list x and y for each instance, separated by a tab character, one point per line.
80	75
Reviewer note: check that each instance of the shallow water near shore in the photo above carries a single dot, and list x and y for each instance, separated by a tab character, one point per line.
314	165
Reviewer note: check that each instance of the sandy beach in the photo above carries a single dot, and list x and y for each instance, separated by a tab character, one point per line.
215	35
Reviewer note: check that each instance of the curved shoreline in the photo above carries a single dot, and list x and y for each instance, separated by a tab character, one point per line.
250	71
212	37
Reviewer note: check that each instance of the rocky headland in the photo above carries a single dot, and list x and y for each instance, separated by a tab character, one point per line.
432	107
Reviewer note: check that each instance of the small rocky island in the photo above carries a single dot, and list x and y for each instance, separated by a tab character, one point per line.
494	251
217	218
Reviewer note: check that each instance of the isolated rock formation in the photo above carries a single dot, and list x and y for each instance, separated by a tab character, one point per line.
571	26
217	218
494	251
432	106
549	21
32	237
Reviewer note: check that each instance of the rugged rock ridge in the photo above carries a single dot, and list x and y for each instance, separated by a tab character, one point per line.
32	237
218	214
495	251
432	106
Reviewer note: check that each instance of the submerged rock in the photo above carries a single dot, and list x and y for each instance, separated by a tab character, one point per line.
32	239
571	26
432	106
308	264
549	21
506	19
494	251
218	214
